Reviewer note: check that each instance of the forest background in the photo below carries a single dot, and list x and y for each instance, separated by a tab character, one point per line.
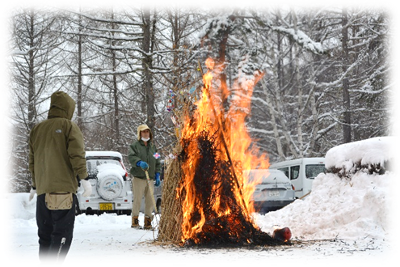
326	73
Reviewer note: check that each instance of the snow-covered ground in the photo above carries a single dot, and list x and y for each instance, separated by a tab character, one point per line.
352	219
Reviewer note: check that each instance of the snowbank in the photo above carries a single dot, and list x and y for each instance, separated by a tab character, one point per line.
337	208
20	206
342	208
372	151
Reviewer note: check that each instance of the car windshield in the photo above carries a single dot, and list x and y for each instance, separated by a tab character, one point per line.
92	164
312	170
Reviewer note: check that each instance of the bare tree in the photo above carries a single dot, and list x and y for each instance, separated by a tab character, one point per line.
35	45
345	83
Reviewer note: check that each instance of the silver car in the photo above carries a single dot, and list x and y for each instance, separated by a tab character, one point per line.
273	190
111	185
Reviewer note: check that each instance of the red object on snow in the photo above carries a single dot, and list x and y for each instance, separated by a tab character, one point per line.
283	234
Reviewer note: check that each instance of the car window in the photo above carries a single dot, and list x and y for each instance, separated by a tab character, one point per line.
312	170
285	171
294	172
93	163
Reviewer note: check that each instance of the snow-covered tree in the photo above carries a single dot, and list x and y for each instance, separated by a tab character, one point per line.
324	73
35	45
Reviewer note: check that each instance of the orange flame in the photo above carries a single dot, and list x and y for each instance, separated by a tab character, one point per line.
210	117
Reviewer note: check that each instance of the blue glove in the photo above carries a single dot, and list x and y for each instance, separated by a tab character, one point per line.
142	165
157	183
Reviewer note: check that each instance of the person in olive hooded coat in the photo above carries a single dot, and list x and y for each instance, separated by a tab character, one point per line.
57	163
143	157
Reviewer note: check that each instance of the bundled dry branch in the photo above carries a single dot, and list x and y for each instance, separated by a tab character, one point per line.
233	229
171	219
204	202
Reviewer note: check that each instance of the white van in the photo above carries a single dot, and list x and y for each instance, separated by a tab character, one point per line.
301	172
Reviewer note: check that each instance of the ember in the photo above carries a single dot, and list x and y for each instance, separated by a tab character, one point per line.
214	193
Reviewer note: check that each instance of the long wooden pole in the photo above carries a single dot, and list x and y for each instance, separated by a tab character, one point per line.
151	190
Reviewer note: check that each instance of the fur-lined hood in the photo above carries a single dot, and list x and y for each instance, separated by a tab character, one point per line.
142	128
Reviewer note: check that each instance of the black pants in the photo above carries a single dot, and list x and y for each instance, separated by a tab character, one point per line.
55	229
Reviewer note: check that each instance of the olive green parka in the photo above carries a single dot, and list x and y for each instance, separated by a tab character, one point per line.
56	149
139	151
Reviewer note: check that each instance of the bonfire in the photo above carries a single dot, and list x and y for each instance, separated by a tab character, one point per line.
206	195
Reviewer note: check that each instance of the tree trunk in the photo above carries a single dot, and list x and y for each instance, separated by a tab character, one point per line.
115	87
299	88
147	64
175	47
312	100
346	94
221	62
279	62
280	113
79	96
273	121
31	79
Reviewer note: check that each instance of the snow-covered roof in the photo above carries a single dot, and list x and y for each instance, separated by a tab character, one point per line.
103	154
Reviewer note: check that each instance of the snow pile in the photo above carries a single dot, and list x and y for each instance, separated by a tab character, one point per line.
372	151
110	169
336	208
20	206
355	209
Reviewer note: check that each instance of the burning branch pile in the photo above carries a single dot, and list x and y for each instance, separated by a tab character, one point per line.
218	216
210	194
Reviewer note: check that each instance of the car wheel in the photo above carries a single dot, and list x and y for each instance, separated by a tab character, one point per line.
126	212
158	205
77	209
89	211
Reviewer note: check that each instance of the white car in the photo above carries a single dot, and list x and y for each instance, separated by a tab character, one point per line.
301	173
273	191
111	185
